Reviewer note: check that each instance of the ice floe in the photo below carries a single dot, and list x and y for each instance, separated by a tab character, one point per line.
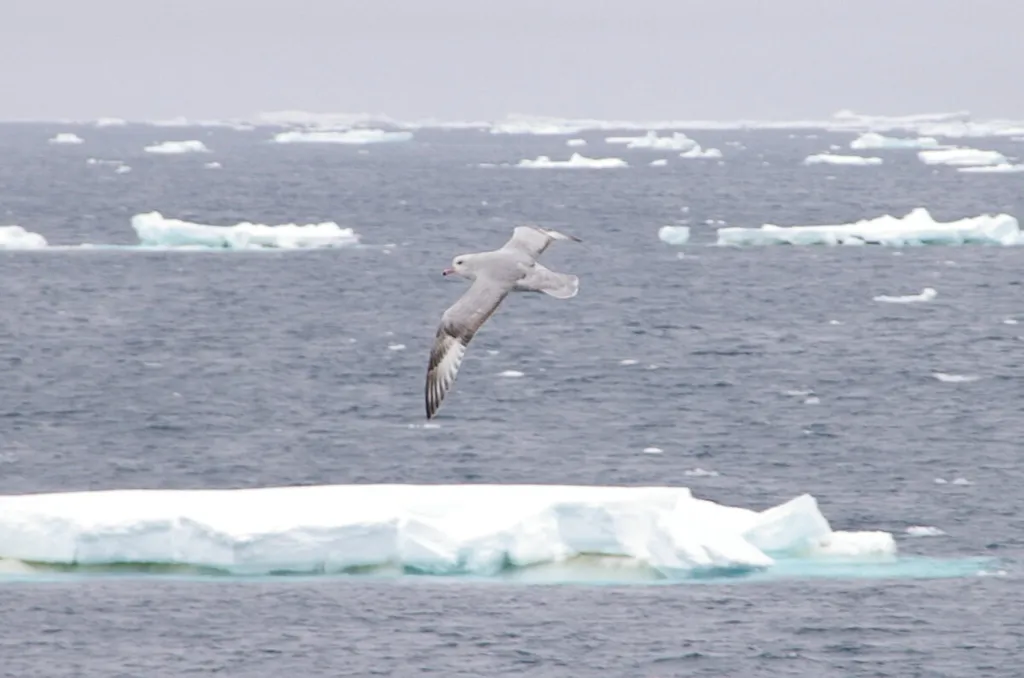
482	530
17	238
576	161
177	147
154	230
1001	168
66	138
652	142
351	137
674	235
927	294
830	159
916	228
698	153
924	531
873	140
955	378
961	157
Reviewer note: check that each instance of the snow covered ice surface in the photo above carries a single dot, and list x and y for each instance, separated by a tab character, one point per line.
17	238
479	530
916	228
349	137
576	161
829	159
154	230
177	147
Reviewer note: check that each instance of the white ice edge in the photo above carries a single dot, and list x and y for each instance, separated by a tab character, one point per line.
440	529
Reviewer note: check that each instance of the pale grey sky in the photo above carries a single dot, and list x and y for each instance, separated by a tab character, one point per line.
472	59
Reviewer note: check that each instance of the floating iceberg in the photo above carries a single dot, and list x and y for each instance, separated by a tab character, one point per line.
652	142
959	157
154	230
697	153
17	238
674	235
482	530
873	140
829	159
1001	168
177	147
352	137
66	138
577	161
916	228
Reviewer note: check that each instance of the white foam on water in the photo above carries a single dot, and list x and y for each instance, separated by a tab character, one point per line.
17	238
1009	321
696	153
962	157
674	235
349	137
66	138
177	147
873	140
576	142
652	142
1001	168
122	169
512	374
576	161
924	531
154	230
955	378
212	165
851	160
916	228
927	294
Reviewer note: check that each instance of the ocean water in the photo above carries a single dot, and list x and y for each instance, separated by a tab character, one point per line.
771	366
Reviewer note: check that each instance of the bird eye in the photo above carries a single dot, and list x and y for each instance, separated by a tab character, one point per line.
458	262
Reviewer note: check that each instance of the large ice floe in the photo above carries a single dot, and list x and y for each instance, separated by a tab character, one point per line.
916	228
17	238
1001	168
875	141
576	161
829	159
177	147
961	157
154	230
481	530
350	137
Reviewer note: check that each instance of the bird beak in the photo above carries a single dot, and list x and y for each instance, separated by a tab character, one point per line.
448	271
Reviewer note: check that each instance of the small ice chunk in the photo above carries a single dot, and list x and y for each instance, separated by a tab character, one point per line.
396	347
660	162
652	142
66	138
511	373
1009	321
927	294
1001	168
674	235
924	531
122	169
700	473
955	378
576	161
961	481
212	165
177	147
628	361
852	160
696	153
812	400
576	142
653	450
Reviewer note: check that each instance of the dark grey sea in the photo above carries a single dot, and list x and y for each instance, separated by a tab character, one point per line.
773	367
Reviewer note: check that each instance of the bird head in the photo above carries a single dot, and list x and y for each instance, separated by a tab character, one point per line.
460	266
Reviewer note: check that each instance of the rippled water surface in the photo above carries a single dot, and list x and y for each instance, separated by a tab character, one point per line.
772	367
